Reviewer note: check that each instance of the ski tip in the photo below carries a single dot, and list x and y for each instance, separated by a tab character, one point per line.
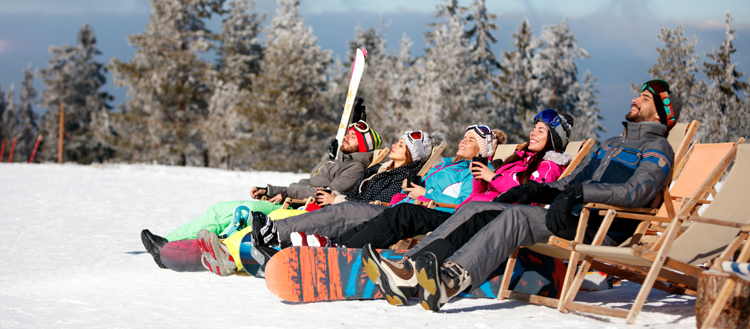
364	52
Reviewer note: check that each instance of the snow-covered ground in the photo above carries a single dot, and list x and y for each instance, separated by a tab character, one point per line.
72	257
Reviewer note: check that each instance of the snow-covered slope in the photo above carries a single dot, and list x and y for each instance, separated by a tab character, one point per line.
72	257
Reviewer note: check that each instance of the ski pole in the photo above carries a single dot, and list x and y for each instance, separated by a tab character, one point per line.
2	151
33	153
12	148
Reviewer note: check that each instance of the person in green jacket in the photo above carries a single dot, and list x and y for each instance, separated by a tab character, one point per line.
339	175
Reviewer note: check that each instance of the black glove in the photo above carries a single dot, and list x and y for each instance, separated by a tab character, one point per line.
333	147
528	193
359	111
559	217
511	195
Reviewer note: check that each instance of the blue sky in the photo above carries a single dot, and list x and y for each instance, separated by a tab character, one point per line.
620	35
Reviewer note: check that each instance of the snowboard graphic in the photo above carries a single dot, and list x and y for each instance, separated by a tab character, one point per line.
313	274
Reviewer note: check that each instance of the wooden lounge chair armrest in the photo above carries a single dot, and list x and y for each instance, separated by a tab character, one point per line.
378	202
742	227
562	243
592	205
641	217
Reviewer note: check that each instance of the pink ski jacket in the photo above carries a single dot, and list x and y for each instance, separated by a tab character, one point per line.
549	170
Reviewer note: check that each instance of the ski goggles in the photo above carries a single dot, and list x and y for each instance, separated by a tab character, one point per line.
548	116
483	132
360	126
416	136
661	88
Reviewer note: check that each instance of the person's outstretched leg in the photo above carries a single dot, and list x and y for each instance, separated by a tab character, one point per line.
217	219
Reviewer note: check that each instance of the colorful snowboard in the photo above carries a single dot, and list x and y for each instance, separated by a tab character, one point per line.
248	263
311	274
182	256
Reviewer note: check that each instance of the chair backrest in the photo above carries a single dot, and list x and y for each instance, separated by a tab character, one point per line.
378	155
680	138
702	242
698	166
437	151
503	151
577	150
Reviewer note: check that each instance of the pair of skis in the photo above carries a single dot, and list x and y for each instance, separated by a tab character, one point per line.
358	67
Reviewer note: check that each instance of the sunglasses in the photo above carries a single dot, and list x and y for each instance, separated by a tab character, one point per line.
360	126
417	136
661	88
483	132
549	116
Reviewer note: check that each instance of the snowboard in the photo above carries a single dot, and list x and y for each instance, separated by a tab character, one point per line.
358	67
182	256
313	274
248	262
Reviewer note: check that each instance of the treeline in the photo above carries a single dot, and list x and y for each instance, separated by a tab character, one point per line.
273	103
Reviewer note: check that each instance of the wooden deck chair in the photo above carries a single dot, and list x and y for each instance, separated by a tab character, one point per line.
680	137
698	167
548	249
378	156
714	236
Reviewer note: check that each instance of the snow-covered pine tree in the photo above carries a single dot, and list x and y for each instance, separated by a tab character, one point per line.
514	89
168	83
676	64
239	54
8	117
722	113
73	78
555	71
27	119
486	107
240	51
290	120
588	122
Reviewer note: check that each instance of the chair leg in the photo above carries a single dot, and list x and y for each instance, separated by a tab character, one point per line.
570	295
509	265
570	274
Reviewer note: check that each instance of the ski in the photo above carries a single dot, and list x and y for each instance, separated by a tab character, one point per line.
357	68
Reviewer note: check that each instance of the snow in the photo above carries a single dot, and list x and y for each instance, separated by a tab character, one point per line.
72	257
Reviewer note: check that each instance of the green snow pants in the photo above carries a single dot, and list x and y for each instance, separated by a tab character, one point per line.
218	219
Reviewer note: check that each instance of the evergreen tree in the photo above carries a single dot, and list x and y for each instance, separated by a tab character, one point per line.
444	93
481	35
240	51
169	85
289	108
676	64
27	119
8	117
239	55
554	69
588	122
73	79
515	90
722	113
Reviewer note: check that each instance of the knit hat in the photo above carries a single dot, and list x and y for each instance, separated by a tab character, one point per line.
486	138
368	139
558	126
419	144
668	105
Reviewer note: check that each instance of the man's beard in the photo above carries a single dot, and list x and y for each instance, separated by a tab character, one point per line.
348	148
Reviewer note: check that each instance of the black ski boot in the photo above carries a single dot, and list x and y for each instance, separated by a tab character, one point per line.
153	244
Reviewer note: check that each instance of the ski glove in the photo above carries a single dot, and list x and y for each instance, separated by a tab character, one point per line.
359	111
530	192
559	217
333	147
